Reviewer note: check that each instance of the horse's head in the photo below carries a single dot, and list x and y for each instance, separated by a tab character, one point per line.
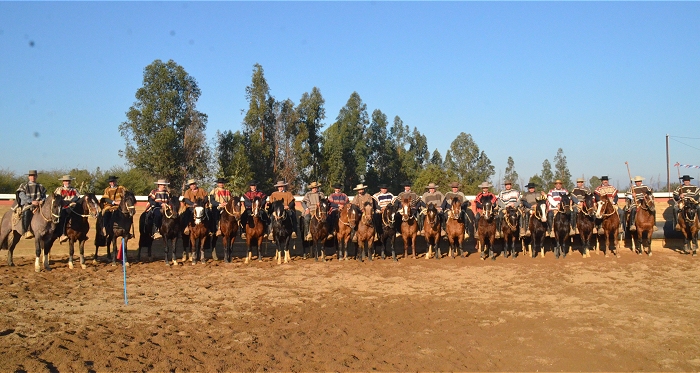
55	207
388	213
511	214
91	205
255	210
541	210
321	212
352	213
199	210
406	209
565	203
367	211
690	208
603	206
648	203
278	211
431	212
589	204
487	209
128	204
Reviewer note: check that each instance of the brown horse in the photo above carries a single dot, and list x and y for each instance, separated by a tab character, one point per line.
610	226
228	223
318	229
645	221
455	228
348	217
431	231
688	220
199	230
562	226
538	229
77	225
585	222
254	231
409	228
487	230
365	233
510	228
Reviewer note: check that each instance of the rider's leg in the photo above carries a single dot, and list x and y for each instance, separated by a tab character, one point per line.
307	223
477	216
550	223
574	216
27	223
526	220
62	224
499	221
295	223
633	214
676	210
157	222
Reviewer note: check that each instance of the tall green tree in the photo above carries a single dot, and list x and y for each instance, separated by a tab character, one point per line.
511	174
259	127
232	159
594	182
288	130
307	146
470	165
436	158
382	166
546	176
164	131
344	151
561	170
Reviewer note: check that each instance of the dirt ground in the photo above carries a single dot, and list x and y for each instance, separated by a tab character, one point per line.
597	314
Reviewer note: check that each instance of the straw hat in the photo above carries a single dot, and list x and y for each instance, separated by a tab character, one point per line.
360	186
506	182
66	178
637	178
454	184
485	184
314	185
280	183
431	186
557	181
162	182
191	181
580	180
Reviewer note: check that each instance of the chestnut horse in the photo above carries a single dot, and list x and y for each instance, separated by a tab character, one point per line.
77	225
510	227
487	230
228	223
644	221
409	228
688	220
585	222
318	229
348	217
455	228
610	226
365	233
431	231
254	231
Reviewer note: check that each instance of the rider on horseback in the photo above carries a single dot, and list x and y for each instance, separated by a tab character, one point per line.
528	202
553	200
287	197
360	199
28	196
432	197
337	201
309	202
447	202
189	199
156	199
248	199
506	198
580	192
413	201
636	193
70	197
111	197
218	198
606	189
686	190
482	197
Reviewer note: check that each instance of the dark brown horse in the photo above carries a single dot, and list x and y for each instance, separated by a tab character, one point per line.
199	230
254	230
431	231
510	227
348	217
645	221
170	229
455	228
487	230
409	228
365	233
282	228
585	223
610	226
562	226
689	222
228	223
318	229
538	228
388	232
77	225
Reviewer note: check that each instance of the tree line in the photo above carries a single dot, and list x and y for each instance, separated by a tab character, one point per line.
164	135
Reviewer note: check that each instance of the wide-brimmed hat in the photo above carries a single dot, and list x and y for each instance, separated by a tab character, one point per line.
454	184
580	180
314	185
32	173
686	177
604	178
431	186
280	183
337	186
252	182
406	183
485	184
360	186
530	185
221	180
66	178
191	181
558	181
383	186
637	178
506	182
162	182
112	178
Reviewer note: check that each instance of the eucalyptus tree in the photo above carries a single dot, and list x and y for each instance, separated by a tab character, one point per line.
468	163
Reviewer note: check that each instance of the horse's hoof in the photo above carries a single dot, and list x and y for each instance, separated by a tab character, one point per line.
70	265
94	261
114	264
126	264
83	266
649	253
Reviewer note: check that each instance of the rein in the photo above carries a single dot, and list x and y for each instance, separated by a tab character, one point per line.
227	211
507	219
167	209
614	210
388	223
49	220
320	212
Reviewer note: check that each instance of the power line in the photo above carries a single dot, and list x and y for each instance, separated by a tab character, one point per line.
681	137
690	146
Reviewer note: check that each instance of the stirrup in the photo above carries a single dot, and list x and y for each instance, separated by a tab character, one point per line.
527	233
329	237
294	234
63	239
633	228
29	235
498	234
187	230
308	237
157	235
677	228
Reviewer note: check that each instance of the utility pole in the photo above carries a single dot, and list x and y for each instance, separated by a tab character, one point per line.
668	168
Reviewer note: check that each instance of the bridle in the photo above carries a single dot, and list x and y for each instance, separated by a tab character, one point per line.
350	214
689	205
506	217
388	222
588	210
367	216
233	205
604	206
277	215
434	222
54	217
90	207
320	212
406	212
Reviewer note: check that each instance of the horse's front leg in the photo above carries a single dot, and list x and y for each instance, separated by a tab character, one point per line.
38	252
81	247
71	252
260	248
114	253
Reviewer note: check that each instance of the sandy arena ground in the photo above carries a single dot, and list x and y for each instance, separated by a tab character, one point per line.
575	314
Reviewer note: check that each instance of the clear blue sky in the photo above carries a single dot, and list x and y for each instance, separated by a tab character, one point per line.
604	81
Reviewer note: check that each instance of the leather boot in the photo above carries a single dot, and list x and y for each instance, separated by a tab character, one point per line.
574	228
550	225
498	229
27	224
